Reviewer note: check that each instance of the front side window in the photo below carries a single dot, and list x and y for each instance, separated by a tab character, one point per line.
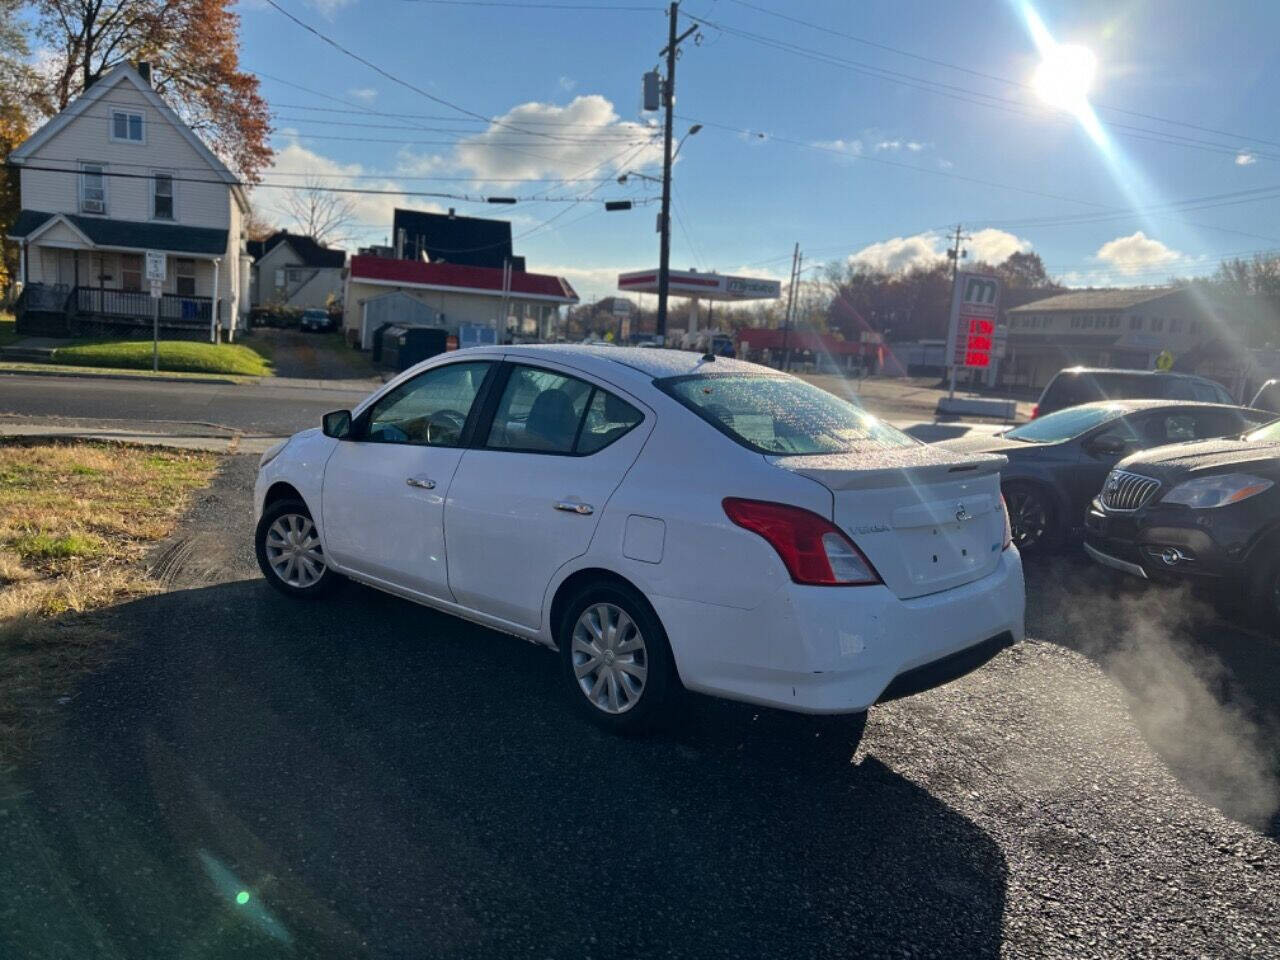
126	125
429	410
162	196
184	277
782	415
93	188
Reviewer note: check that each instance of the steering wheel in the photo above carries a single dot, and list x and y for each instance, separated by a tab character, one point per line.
443	423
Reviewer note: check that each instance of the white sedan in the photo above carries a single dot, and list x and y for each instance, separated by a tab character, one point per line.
667	521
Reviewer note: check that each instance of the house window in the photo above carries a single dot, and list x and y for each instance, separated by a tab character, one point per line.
162	196
293	274
131	271
93	188
1157	323
1135	323
279	278
184	277
1175	324
126	126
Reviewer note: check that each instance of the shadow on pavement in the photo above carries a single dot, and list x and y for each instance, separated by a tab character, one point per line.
258	777
1204	691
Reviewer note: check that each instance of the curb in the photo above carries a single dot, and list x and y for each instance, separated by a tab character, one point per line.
94	375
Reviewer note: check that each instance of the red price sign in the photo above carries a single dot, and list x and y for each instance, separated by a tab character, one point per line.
976	358
980	327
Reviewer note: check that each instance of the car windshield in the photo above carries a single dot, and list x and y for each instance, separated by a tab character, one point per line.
1268	434
782	415
1065	424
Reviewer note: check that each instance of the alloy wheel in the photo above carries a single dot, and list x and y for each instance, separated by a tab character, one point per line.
293	550
609	657
1028	518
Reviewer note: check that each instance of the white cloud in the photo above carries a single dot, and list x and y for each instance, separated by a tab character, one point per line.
915	146
328	8
294	163
926	249
363	94
567	83
1245	159
851	147
586	138
1135	253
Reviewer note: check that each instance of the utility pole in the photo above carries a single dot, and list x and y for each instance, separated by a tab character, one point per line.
670	51
954	254
785	359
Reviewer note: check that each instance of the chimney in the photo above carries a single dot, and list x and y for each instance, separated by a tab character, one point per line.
451	213
144	70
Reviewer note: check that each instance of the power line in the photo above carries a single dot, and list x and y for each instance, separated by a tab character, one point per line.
526	121
598	7
361	191
394	79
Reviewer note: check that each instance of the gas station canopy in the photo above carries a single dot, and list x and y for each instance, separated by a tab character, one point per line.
701	286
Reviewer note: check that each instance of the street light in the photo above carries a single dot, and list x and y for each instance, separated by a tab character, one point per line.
627	174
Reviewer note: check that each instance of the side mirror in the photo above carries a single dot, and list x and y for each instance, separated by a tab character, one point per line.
1108	446
336	424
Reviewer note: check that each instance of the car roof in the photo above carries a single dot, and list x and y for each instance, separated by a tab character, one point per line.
1107	371
653	364
1134	406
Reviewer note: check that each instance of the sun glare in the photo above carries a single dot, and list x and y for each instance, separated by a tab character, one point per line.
1065	76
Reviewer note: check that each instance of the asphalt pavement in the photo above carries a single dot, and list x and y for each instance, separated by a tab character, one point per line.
256	777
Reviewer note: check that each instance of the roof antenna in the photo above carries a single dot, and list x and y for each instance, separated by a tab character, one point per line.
709	357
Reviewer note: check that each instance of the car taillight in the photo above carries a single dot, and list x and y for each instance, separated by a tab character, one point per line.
1008	527
813	549
1035	411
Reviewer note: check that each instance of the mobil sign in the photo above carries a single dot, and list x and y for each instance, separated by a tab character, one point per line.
975	305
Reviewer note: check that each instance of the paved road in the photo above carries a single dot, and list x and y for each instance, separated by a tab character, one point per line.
257	778
276	409
261	408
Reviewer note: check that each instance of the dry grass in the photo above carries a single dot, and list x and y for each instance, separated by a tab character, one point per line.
76	520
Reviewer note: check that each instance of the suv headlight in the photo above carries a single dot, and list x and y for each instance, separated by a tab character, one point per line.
1217	491
273	452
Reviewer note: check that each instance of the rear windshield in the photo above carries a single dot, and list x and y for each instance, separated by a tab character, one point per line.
1064	424
782	415
1069	389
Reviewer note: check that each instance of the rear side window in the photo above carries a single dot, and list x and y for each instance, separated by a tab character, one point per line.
1070	390
781	415
546	412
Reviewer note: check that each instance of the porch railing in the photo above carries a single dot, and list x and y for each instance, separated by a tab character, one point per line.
138	305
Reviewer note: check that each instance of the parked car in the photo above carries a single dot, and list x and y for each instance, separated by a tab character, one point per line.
1057	463
1076	385
314	320
666	521
1268	397
1207	512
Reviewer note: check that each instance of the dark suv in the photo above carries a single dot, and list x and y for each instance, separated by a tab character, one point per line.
1077	385
1208	512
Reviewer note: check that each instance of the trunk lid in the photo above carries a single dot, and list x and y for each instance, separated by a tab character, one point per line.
927	519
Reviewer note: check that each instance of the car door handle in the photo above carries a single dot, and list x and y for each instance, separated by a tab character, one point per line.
583	509
422	482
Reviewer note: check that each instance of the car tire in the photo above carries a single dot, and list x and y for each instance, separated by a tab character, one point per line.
289	554
620	686
1030	505
1264	596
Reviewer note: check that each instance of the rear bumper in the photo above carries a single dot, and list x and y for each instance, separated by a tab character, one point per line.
840	650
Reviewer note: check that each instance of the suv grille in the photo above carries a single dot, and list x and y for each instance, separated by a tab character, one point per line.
1127	491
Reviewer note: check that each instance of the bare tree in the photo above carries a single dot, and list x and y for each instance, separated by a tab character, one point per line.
318	213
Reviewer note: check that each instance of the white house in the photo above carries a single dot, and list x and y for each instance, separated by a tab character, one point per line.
114	175
291	270
509	303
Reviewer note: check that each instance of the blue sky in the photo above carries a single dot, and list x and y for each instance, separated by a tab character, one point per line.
852	162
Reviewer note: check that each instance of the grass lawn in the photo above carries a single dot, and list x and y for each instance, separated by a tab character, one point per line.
76	520
176	355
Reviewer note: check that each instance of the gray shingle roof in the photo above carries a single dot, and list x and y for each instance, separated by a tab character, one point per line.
1093	300
131	234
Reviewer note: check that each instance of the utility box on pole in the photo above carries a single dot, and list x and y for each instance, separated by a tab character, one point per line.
652	92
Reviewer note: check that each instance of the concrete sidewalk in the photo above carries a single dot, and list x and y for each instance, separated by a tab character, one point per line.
184	435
